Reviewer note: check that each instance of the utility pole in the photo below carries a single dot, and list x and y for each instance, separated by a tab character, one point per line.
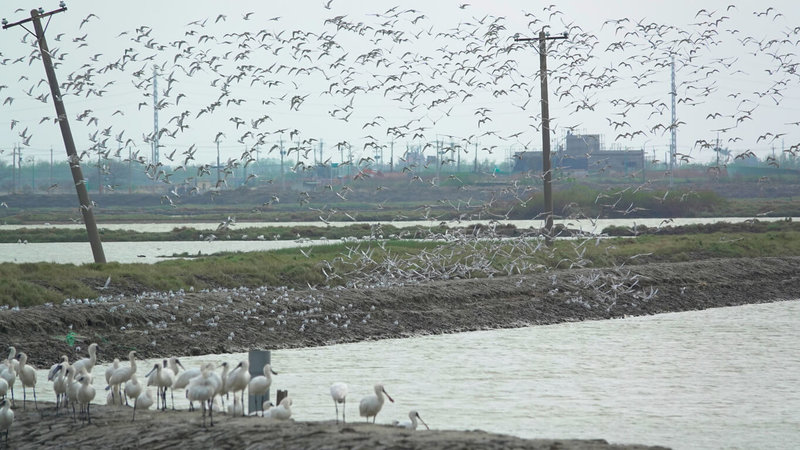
130	172
219	178
14	169
155	156
61	114
391	156
475	164
673	133
282	155
546	169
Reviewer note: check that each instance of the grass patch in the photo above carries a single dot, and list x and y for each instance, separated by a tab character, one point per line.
38	283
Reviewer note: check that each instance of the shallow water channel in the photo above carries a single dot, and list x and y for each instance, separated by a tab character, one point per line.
720	378
152	252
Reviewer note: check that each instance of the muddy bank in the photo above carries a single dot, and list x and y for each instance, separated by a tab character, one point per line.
112	428
196	323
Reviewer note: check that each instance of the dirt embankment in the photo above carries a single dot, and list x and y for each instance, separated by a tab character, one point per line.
113	428
158	325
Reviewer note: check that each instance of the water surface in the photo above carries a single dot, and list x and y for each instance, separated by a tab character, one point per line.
720	378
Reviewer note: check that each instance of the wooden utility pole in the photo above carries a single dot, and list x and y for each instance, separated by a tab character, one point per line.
547	172
69	143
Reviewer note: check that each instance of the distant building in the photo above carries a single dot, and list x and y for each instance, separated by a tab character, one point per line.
582	153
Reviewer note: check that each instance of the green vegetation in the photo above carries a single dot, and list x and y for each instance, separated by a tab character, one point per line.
32	284
240	232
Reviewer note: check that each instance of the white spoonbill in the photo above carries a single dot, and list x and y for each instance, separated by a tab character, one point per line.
238	379
218	380
143	401
414	416
183	380
12	353
6	417
27	376
121	375
371	405
281	412
110	370
202	389
86	394
133	388
87	363
55	368
162	378
259	386
339	395
169	373
236	408
9	375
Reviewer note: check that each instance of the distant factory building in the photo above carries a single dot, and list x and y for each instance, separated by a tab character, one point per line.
582	154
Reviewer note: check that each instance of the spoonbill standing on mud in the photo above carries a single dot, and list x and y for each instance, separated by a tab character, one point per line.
27	376
339	395
87	363
259	386
203	389
371	405
6	417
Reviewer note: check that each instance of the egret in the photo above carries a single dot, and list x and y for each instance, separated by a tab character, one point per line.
339	395
414	416
238	379
27	376
371	405
282	412
259	386
87	363
6	417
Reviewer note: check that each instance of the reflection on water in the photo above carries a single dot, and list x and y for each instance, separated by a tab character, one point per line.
720	378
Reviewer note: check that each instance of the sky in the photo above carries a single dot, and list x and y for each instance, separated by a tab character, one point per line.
251	77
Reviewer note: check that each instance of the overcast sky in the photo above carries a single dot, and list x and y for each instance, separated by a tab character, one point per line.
407	74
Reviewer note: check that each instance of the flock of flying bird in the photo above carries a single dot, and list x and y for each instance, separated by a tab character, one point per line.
262	78
261	88
73	386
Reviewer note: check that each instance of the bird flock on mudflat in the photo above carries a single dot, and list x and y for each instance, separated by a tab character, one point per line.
74	389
